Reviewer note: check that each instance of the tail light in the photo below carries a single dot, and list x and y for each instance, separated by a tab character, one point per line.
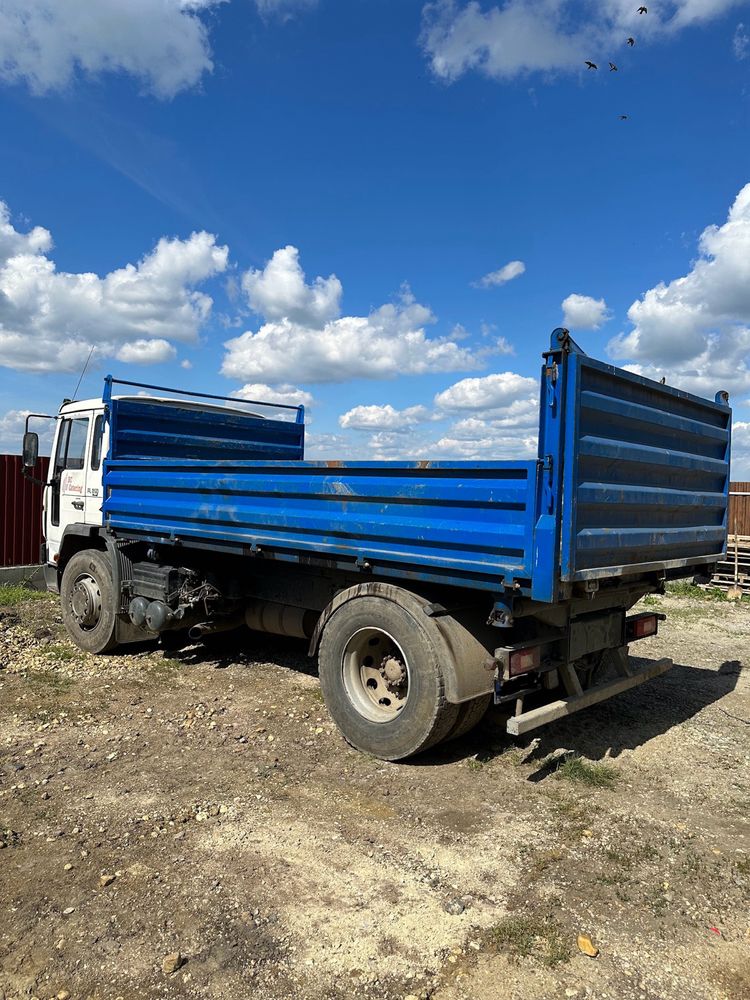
641	626
521	661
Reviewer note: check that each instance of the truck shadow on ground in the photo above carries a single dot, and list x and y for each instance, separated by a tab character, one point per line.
625	722
245	648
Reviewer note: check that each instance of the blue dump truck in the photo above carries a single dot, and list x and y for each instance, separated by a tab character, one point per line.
425	589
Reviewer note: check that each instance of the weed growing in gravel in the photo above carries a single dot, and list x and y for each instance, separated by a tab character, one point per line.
585	772
50	679
16	593
524	936
684	588
62	654
163	666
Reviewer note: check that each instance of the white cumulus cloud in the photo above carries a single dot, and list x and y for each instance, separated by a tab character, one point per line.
695	329
383	418
498	418
305	339
289	395
521	37
49	319
12	426
581	312
513	269
162	43
279	291
146	352
492	392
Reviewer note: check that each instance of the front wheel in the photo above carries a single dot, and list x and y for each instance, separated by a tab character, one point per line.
382	680
87	601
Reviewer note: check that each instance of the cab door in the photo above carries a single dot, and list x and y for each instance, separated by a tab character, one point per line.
67	490
98	444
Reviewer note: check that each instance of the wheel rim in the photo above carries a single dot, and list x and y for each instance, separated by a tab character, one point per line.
376	674
86	602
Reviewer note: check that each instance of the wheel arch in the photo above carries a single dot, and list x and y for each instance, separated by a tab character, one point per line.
76	538
463	657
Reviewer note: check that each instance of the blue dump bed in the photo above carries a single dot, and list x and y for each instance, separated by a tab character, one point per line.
632	477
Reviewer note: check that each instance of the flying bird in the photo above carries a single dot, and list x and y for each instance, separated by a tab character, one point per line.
623	118
631	42
642	10
612	68
591	65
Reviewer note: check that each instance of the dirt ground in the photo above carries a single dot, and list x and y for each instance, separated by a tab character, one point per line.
203	803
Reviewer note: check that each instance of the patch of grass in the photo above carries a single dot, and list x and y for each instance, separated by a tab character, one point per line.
473	764
586	772
572	815
542	860
50	679
59	653
685	588
528	936
12	594
161	666
743	867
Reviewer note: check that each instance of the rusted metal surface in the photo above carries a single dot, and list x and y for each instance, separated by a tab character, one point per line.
20	512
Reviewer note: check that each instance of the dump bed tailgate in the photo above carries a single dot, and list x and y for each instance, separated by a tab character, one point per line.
643	471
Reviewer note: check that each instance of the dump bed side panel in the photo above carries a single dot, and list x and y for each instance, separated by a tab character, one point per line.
225	479
148	429
646	474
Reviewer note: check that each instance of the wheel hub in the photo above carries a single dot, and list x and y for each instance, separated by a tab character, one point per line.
376	674
86	601
393	670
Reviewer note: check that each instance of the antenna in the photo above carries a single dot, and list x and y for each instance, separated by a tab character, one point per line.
78	385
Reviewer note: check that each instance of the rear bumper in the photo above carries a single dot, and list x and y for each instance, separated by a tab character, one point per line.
535	717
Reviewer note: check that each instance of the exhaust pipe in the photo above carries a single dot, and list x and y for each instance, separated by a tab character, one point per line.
208	628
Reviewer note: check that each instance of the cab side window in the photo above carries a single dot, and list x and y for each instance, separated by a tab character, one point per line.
96	443
75	445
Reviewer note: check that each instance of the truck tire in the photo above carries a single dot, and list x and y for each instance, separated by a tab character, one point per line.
470	714
87	601
382	681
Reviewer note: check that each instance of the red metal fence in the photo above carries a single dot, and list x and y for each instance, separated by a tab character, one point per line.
20	512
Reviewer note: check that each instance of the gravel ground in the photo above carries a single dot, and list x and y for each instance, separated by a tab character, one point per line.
192	825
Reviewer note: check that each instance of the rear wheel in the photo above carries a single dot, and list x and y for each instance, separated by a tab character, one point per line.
470	714
382	680
87	601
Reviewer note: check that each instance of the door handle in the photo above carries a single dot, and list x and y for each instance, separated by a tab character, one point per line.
78	504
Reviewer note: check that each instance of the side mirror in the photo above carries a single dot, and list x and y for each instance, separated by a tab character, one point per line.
30	449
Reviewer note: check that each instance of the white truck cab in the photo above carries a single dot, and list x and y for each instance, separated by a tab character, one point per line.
73	493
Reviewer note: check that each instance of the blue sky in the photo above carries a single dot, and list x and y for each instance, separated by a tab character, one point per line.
323	186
